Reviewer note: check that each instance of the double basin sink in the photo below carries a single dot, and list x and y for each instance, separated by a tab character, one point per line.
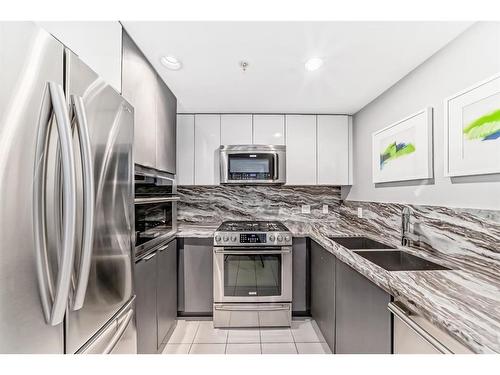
387	257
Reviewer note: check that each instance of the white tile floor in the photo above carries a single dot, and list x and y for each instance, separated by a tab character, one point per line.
200	337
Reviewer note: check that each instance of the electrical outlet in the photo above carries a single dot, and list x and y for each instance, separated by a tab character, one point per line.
306	209
360	212
325	208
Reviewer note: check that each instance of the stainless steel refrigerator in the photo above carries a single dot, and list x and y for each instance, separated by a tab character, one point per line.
66	202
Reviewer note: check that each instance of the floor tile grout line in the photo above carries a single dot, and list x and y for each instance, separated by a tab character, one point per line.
197	328
260	341
227	339
295	344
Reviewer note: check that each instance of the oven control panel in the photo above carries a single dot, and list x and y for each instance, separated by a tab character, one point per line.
252	238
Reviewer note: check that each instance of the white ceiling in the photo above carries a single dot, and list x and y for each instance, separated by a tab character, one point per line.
361	60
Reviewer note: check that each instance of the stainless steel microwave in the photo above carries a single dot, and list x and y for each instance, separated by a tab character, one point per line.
253	164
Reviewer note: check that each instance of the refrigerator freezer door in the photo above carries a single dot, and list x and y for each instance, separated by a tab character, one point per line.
118	336
126	338
29	59
109	278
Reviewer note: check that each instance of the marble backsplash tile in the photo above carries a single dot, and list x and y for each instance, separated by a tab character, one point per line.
210	205
463	236
459	235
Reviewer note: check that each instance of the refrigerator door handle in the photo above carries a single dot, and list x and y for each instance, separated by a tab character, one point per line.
119	332
88	202
54	298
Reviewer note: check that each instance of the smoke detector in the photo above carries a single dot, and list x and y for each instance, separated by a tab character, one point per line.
244	65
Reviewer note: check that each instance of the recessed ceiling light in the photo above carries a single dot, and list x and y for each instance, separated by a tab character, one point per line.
171	62
313	63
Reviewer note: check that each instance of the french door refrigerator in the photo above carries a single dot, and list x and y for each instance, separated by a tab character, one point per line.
66	202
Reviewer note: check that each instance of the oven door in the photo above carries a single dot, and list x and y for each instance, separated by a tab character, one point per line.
155	221
252	274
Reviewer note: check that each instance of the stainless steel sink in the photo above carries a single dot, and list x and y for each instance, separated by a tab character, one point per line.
358	243
396	260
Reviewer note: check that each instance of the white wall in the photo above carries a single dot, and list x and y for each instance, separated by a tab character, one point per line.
97	43
472	57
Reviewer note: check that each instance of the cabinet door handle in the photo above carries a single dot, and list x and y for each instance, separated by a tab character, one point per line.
149	257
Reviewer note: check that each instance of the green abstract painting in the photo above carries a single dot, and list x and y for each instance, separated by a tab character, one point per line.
394	151
484	128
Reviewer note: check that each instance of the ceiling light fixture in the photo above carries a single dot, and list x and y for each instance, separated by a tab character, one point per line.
313	63
171	62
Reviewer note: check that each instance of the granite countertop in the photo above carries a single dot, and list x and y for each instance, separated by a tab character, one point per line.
461	301
196	230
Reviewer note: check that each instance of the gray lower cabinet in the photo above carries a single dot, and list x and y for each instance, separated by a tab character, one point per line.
363	322
195	276
323	292
156	304
145	284
300	302
166	290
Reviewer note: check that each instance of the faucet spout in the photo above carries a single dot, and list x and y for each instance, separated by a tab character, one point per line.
405	226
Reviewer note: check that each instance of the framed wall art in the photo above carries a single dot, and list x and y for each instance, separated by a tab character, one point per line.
403	151
472	130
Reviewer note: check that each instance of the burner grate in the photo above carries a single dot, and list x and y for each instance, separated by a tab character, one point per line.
252	226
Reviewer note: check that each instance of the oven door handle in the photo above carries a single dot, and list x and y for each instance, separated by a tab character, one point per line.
171	198
252	252
252	307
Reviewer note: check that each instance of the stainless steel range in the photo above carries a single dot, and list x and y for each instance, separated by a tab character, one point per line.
252	274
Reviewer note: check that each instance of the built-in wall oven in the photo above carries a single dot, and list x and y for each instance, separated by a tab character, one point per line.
155	208
253	164
252	275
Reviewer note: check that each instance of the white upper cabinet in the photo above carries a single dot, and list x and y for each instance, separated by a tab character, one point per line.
185	149
319	147
97	43
269	129
301	149
206	149
334	139
236	129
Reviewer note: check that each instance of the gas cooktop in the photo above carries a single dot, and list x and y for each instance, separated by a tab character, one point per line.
252	226
252	233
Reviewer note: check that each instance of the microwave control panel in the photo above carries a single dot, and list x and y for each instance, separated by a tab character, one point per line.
249	176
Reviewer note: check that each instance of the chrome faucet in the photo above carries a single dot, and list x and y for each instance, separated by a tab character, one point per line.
405	226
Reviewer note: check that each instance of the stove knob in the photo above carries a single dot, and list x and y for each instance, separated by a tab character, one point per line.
226	238
217	238
271	238
280	238
234	238
287	238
